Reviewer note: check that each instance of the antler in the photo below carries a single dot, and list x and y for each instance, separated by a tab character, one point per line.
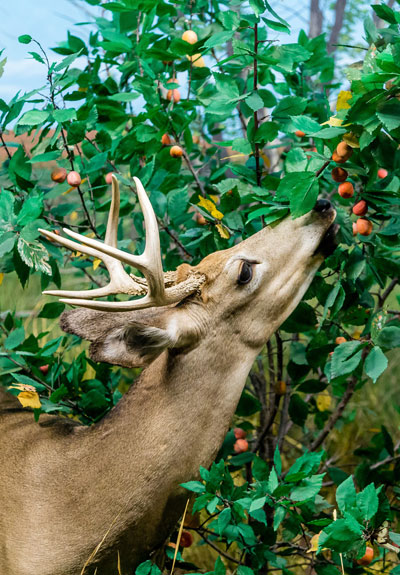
149	263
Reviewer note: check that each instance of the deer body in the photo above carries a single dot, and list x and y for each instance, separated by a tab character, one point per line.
65	488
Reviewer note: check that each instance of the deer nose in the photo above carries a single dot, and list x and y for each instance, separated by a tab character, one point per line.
322	206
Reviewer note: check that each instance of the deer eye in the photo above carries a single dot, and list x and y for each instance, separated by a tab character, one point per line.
245	273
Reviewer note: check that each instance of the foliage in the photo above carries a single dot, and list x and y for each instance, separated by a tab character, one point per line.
104	108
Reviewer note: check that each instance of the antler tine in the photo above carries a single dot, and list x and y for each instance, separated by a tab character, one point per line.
149	262
113	215
120	281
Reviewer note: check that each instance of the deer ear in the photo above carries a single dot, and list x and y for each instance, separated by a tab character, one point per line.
129	339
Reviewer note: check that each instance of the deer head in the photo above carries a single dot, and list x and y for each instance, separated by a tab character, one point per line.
240	295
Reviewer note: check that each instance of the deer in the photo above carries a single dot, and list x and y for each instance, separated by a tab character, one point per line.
86	500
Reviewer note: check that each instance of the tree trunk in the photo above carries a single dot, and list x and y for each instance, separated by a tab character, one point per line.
316	19
337	25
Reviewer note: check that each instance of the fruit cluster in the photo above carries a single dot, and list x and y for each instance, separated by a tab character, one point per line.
241	444
343	152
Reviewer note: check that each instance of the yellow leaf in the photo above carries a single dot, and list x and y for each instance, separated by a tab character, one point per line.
96	263
333	121
313	543
73	216
342	101
351	139
1	278
210	207
73	187
29	399
323	401
267	161
214	198
223	231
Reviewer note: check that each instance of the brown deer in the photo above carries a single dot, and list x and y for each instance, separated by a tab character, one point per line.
114	487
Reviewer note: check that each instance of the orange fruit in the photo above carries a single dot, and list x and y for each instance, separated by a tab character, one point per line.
343	150
355	232
280	387
346	190
339	174
300	133
74	179
367	558
173	95
364	226
338	159
190	36
360	208
340	340
59	175
165	140
176	152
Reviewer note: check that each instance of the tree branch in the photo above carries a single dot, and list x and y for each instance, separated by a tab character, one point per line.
340	7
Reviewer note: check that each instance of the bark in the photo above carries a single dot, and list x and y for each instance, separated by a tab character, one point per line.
337	25
316	19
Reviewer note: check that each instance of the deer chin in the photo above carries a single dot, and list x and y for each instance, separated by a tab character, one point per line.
328	242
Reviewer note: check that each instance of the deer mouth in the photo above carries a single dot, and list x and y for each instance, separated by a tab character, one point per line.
328	243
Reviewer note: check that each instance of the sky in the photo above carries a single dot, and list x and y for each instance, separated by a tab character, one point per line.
48	22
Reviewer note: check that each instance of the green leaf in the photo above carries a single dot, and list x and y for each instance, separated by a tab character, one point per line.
258	7
302	189
25	39
389	114
25	380
276	26
290	106
305	124
15	338
34	118
346	494
368	502
340	536
389	337
194	486
386	13
224	519
277	461
31	210
124	96
254	101
52	310
376	363
345	358
266	133
328	133
279	516
308	488
64	115
241	145
298	410
34	255
218	39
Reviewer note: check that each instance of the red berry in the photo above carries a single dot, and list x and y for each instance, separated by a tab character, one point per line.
186	539
44	369
108	177
239	433
382	173
240	446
